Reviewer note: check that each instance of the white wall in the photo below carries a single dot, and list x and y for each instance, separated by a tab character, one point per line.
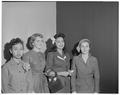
22	19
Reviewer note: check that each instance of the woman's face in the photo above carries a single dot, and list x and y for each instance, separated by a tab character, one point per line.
60	43
39	43
85	47
17	50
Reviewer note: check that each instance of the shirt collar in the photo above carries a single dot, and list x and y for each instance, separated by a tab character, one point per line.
14	62
80	55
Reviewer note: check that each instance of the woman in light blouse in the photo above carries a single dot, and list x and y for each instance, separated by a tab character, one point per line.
16	75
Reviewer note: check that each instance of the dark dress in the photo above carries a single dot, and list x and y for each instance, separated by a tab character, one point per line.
59	63
85	78
37	63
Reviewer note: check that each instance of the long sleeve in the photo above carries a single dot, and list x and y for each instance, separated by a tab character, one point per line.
73	77
5	80
68	61
49	61
30	81
29	78
96	76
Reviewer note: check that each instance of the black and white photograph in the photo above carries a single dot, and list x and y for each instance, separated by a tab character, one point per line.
59	47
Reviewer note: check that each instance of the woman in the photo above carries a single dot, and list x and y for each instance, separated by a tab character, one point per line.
36	58
58	61
85	78
16	75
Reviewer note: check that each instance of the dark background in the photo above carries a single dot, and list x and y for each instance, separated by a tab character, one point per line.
98	22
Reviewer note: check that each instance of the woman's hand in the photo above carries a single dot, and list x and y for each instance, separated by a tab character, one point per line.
70	72
52	73
64	73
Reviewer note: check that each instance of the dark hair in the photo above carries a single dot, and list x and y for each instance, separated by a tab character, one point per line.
54	47
31	39
59	35
15	41
75	51
8	47
7	54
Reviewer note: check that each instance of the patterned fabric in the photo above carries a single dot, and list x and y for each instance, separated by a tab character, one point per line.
15	79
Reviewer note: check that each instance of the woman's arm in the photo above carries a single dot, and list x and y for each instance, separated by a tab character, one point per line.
73	76
64	73
50	61
96	76
5	80
30	82
68	72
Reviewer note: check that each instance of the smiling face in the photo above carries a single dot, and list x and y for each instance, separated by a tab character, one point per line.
17	51
84	47
60	43
38	43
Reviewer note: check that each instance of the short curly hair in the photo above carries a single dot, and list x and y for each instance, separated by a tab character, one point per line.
15	41
8	46
31	39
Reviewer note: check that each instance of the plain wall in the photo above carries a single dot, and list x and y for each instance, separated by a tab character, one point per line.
98	22
22	19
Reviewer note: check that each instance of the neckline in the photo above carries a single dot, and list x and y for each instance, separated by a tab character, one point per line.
14	62
63	55
83	59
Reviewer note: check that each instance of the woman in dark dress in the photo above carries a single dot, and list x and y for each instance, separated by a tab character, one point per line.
58	61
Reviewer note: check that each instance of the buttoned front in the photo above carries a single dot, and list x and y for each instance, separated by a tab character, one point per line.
59	63
85	78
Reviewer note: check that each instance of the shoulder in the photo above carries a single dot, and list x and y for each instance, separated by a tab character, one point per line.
94	59
75	57
7	65
67	54
28	54
51	53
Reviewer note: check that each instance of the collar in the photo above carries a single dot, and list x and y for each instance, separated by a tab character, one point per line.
62	57
80	55
14	62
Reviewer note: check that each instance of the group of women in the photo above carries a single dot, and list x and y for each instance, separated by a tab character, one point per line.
32	72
